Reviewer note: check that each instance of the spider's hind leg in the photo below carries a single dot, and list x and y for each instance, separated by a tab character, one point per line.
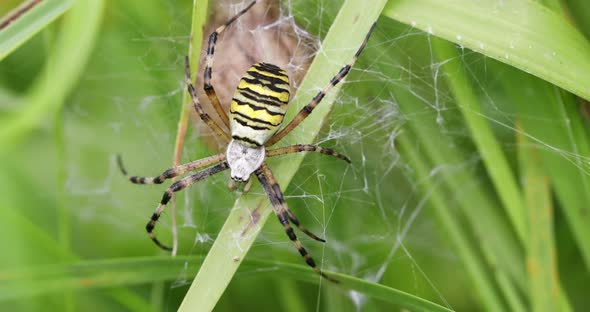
295	221
277	200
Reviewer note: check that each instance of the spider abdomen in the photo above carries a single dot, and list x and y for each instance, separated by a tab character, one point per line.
259	104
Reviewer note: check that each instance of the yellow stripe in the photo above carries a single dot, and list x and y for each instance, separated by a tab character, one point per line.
272	108
258	114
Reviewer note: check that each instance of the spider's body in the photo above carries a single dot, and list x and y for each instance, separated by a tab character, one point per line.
259	104
257	111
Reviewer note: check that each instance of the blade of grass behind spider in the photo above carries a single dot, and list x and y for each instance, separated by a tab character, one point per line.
483	285
251	211
551	120
523	34
199	18
63	68
95	274
545	291
24	22
454	163
28	231
579	10
490	150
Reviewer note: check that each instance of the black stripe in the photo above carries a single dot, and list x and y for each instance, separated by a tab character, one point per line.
259	82
291	233
273	69
212	41
271	79
166	197
245	124
255	119
257	108
247	140
261	98
303	252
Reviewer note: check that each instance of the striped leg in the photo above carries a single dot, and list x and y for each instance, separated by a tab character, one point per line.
305	148
207	86
307	109
197	105
173	172
180	185
277	200
295	221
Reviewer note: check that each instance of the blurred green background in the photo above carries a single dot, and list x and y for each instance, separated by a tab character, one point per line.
419	209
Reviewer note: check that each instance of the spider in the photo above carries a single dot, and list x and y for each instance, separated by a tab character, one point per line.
256	113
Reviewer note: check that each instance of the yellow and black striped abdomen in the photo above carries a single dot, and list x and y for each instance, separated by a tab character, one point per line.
259	104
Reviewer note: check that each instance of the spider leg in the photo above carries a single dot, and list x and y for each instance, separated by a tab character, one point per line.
207	86
307	109
177	186
173	172
295	221
305	148
197	105
273	191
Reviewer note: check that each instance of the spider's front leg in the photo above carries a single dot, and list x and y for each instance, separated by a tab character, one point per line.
178	186
172	172
208	72
308	109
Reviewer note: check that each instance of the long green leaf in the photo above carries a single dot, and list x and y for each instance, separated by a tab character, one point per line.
133	271
250	212
541	254
62	71
523	34
488	146
550	119
22	25
483	285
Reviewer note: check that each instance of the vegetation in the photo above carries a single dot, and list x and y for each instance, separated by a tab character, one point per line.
466	123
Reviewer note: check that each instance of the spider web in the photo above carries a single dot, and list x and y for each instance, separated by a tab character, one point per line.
373	213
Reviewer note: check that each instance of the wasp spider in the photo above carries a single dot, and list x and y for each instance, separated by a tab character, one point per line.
257	111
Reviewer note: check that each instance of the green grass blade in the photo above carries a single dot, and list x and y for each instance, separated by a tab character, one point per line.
478	205
133	271
511	294
26	25
467	251
489	148
250	212
551	120
541	253
579	10
64	67
523	34
21	286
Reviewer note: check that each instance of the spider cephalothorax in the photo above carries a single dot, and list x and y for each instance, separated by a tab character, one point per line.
257	111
